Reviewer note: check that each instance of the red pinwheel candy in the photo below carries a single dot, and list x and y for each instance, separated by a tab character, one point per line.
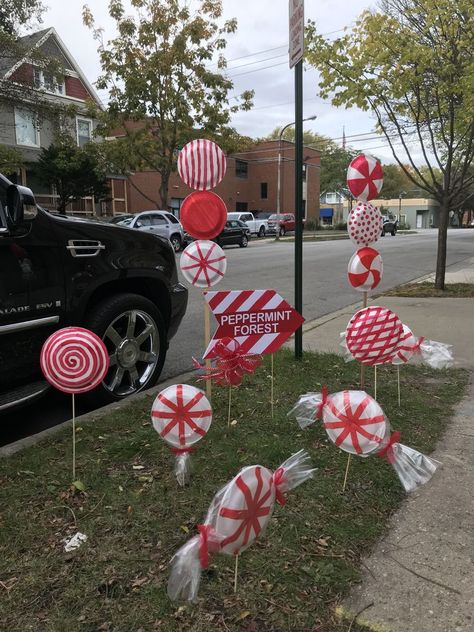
365	269
365	177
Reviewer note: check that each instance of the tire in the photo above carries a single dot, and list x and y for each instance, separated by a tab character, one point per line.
243	241
282	231
394	232
383	234
121	321
261	232
176	242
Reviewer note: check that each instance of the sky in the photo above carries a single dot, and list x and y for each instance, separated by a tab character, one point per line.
257	57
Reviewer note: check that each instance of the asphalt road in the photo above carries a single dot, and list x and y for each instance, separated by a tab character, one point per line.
269	264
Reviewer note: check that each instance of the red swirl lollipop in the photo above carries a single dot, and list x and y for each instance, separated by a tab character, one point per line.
365	177
74	360
203	214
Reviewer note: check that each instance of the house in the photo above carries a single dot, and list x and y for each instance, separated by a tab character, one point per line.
254	181
411	212
28	127
332	208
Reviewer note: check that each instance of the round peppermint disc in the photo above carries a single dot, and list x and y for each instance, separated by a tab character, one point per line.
201	164
365	269
181	415
372	335
203	214
203	263
364	224
354	422
365	177
74	360
245	508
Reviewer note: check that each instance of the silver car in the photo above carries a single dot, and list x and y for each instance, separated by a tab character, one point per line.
160	222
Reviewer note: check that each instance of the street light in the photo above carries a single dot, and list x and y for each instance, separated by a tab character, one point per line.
400	195
310	118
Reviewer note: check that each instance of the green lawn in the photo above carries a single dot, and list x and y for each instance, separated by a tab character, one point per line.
427	290
136	516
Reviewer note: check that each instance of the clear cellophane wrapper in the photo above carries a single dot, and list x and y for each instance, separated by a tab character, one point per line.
306	410
348	357
183	468
192	557
437	355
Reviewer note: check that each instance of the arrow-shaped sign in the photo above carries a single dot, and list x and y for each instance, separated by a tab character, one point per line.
260	320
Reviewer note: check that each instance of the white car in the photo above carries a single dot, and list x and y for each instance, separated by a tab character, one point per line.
160	222
257	226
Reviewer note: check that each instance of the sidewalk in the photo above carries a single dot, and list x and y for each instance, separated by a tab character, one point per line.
420	577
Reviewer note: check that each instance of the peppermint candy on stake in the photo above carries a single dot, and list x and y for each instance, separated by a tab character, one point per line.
181	414
372	335
237	516
203	263
356	423
203	214
365	269
364	224
201	164
365	177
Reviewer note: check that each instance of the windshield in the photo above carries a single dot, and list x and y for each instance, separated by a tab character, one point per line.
122	219
233	215
276	216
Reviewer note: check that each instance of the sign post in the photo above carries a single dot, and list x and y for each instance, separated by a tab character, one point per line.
296	52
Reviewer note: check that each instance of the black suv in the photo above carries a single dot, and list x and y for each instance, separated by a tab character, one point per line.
389	225
58	271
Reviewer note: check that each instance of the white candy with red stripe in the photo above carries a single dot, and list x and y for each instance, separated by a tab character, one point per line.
203	263
372	335
201	164
259	320
181	415
365	269
365	177
407	345
245	509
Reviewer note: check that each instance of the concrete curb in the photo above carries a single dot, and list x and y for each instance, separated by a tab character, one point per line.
26	442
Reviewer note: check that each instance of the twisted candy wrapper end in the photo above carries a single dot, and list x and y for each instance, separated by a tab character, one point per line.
437	355
294	471
182	468
308	409
187	563
412	467
348	357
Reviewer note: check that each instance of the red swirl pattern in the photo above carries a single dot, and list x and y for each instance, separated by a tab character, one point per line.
74	360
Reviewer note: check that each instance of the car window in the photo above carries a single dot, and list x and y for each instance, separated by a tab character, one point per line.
145	220
233	224
158	220
172	218
246	218
232	215
275	216
125	222
122	219
288	217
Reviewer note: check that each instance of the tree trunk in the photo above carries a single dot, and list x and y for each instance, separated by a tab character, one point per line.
61	207
165	177
442	239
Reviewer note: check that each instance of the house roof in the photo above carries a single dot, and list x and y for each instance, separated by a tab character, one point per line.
36	40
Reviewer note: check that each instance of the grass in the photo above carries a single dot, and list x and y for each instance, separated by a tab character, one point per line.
135	515
427	290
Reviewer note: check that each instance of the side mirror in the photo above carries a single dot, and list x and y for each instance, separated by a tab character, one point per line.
21	205
138	224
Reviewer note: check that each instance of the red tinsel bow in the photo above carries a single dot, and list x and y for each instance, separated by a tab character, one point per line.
387	450
419	342
279	479
208	543
230	365
324	399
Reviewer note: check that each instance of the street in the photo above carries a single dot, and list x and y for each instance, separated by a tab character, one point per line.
269	264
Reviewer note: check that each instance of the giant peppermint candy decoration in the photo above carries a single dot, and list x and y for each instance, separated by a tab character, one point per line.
365	178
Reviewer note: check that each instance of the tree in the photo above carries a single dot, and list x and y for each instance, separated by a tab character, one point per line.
19	13
410	62
163	88
11	160
396	182
74	171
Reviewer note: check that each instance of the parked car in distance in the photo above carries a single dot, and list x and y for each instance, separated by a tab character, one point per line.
58	271
233	233
281	223
244	226
257	226
161	223
389	225
262	214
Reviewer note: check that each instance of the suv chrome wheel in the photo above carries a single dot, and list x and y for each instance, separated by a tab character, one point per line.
134	344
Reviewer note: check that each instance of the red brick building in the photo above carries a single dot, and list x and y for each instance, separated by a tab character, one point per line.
250	183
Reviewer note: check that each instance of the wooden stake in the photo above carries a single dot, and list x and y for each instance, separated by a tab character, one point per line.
272	384
362	366
207	339
375	382
230	402
347	472
73	439
236	572
398	380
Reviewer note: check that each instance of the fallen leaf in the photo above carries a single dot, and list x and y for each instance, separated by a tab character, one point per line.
138	467
243	615
79	485
184	528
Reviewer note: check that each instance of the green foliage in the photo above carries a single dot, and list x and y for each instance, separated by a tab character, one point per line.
395	181
410	63
163	88
11	160
312	225
74	171
19	13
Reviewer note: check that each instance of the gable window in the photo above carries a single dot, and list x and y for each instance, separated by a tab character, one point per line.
241	168
48	82
84	131
26	128
263	190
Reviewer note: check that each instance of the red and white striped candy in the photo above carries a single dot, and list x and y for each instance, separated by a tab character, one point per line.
407	345
181	415
203	263
365	269
201	164
354	422
372	335
364	224
74	360
245	508
365	177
